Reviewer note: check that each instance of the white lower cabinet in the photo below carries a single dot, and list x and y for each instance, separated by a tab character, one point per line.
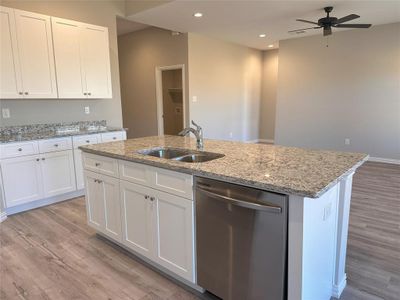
58	173
103	204
22	179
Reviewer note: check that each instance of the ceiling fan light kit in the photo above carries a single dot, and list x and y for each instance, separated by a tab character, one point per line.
328	22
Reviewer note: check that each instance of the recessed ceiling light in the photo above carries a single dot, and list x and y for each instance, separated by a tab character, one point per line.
197	15
262	35
270	46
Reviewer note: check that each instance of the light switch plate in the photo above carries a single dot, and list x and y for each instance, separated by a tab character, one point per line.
194	99
87	110
6	113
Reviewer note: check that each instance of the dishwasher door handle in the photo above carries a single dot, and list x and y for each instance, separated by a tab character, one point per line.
237	202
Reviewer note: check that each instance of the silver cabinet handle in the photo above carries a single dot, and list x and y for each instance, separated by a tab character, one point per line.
89	94
20	149
152	199
237	202
95	180
85	94
99	181
88	141
43	158
146	197
21	93
37	159
97	164
114	138
55	145
26	93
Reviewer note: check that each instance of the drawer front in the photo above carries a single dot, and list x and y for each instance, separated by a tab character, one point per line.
53	145
133	172
100	164
113	136
82	140
18	149
176	183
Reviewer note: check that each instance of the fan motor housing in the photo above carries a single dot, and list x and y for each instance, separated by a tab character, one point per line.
328	21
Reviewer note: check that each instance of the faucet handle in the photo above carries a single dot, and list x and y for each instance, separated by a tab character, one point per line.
197	126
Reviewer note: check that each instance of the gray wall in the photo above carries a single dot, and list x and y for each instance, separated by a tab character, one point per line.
140	53
268	94
226	79
101	13
349	90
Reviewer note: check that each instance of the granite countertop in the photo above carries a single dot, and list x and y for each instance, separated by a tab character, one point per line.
52	133
286	170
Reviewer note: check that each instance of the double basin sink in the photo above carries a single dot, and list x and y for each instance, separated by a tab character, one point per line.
183	155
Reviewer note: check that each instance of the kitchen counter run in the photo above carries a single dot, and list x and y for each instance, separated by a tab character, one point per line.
286	170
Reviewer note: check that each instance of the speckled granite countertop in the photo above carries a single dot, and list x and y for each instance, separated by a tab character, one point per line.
287	170
49	134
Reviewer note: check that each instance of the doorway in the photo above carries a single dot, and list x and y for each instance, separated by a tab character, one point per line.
170	90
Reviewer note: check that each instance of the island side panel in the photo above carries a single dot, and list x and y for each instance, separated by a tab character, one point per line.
312	246
340	278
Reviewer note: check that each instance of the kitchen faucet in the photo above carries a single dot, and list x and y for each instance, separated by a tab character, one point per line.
198	132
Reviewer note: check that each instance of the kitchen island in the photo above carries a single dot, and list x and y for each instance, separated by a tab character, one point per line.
317	184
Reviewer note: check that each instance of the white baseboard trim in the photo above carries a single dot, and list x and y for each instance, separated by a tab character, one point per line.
3	216
385	160
263	141
43	202
338	289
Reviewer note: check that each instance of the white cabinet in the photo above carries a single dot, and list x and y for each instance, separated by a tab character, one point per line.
10	76
137	218
96	61
35	49
113	136
174	234
103	204
58	173
82	59
22	179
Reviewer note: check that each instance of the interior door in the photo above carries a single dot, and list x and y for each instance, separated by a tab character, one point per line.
137	218
174	234
58	173
96	61
94	202
35	48
10	76
68	60
22	180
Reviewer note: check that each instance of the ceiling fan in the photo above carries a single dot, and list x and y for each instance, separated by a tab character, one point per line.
328	22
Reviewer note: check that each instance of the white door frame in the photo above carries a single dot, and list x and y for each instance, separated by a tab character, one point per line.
159	94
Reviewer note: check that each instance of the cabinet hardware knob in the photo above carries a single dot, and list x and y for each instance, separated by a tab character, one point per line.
152	199
99	181
26	93
88	141
97	164
146	197
43	158
89	94
114	138
55	145
20	149
37	159
21	93
85	94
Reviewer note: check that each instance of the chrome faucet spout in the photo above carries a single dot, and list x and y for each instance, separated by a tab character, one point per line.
198	133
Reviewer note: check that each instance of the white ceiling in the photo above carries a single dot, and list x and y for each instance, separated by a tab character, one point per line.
242	21
125	26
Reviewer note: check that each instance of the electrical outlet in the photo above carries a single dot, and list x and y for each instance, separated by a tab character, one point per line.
87	110
194	99
6	113
347	141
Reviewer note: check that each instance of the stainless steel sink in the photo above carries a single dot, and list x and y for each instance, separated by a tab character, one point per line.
184	155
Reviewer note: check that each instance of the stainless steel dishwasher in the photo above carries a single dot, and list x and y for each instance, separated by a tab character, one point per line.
241	236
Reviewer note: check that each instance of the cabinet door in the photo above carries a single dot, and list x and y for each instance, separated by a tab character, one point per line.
174	234
58	173
137	218
22	180
67	51
10	76
94	202
36	57
96	61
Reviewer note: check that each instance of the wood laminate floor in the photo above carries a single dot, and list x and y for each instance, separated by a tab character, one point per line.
50	253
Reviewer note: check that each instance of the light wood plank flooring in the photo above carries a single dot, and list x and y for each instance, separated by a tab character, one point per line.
50	253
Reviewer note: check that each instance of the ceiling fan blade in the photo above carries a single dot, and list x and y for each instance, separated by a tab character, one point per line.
327	30
304	29
305	21
353	25
347	18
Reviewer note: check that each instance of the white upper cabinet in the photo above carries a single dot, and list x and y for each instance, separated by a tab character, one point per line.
10	76
67	49
78	67
82	59
35	49
96	61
